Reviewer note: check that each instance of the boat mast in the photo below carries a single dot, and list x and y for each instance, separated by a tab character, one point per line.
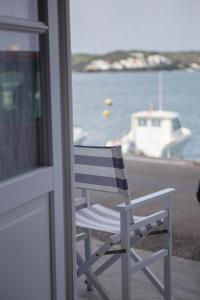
160	91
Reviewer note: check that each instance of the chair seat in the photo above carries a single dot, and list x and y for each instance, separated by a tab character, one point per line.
101	218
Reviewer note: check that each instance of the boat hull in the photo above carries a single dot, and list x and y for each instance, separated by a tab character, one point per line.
174	150
79	135
171	150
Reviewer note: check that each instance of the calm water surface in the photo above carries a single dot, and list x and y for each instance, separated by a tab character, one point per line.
132	92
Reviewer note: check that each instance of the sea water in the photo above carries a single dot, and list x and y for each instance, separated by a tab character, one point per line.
132	92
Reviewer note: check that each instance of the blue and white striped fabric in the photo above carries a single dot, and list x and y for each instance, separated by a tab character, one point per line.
100	169
101	218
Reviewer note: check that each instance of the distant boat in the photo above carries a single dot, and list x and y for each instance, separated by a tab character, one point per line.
79	135
155	133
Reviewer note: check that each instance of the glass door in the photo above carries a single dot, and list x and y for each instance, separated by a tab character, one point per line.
21	113
31	192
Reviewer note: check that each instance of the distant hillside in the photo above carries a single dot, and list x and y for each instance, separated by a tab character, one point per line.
135	61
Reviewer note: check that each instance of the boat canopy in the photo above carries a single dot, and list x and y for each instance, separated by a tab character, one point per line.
161	114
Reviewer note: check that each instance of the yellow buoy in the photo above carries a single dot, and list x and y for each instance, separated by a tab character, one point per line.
105	113
108	101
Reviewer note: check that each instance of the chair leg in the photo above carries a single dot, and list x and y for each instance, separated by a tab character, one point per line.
93	279
167	280
168	259
168	273
88	252
125	258
125	267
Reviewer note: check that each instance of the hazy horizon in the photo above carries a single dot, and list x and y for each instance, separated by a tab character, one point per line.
137	50
108	25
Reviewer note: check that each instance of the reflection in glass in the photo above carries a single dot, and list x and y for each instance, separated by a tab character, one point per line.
20	105
26	9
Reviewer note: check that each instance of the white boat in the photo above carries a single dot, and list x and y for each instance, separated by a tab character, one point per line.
79	135
155	134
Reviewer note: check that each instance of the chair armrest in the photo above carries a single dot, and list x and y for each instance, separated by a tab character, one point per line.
160	195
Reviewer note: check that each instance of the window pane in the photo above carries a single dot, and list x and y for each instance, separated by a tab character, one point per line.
142	122
155	122
176	124
26	9
20	104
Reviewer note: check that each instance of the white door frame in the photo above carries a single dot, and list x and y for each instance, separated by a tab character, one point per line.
58	177
67	142
59	27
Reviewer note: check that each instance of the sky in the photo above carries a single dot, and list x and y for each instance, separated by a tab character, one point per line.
100	26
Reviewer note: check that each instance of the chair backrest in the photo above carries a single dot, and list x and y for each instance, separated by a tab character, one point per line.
100	169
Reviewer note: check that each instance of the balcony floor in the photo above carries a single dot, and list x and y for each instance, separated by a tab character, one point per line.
186	281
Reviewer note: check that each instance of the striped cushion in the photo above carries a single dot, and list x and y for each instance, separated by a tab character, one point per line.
101	218
100	169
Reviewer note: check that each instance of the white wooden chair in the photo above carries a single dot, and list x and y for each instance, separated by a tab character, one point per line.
102	169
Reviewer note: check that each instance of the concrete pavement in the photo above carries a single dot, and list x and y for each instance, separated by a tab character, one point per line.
186	281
